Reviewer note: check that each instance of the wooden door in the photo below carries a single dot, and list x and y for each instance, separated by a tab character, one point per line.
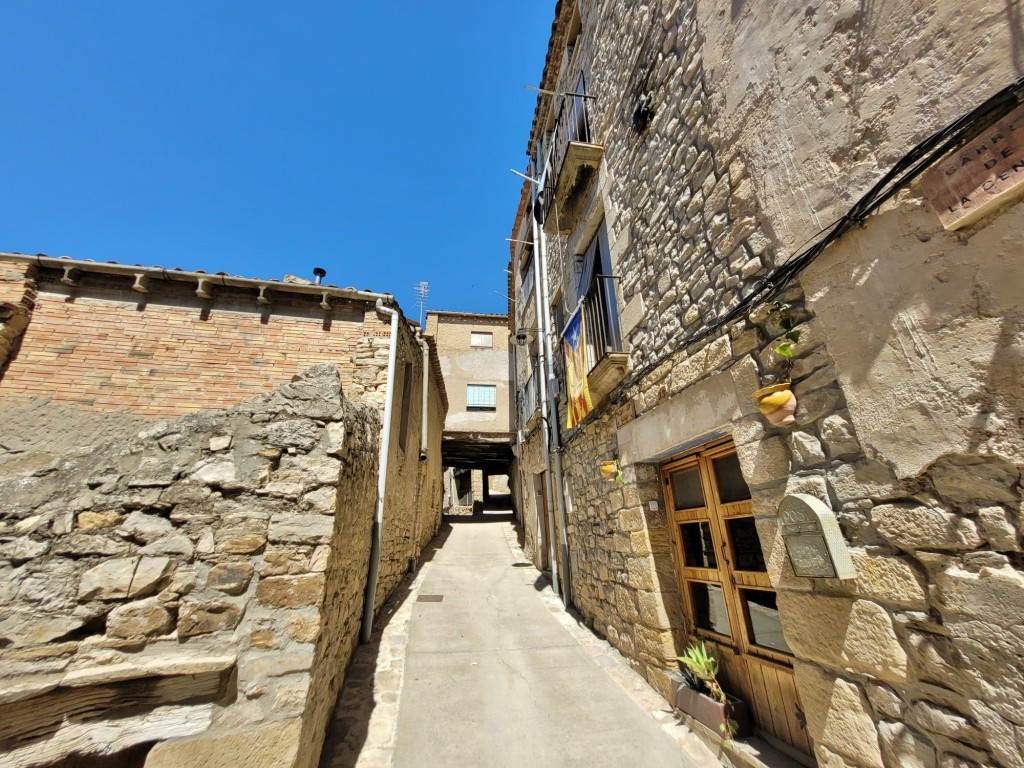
727	596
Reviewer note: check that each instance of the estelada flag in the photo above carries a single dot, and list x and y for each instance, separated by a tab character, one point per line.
574	342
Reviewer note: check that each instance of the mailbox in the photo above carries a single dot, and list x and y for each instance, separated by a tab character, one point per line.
816	547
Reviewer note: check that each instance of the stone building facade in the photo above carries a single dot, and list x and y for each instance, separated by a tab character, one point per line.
688	156
473	351
211	564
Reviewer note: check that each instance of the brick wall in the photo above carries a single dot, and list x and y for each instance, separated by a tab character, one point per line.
102	346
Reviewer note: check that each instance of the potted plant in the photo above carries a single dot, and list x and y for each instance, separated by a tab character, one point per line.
776	401
702	698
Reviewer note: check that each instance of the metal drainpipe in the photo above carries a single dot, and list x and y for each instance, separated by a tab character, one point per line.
382	473
553	425
544	411
424	423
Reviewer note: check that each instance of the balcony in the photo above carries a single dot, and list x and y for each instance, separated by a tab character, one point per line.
573	159
524	297
529	401
607	364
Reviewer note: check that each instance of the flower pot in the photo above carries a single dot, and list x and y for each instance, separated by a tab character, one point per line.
777	403
713	714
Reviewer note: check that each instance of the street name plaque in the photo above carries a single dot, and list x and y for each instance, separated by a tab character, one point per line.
982	174
816	547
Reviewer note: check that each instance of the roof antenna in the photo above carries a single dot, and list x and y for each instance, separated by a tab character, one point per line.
422	290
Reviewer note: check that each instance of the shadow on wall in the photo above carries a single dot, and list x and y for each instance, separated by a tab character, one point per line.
349	727
1015	21
934	323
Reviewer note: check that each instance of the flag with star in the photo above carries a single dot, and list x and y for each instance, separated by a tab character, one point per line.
574	342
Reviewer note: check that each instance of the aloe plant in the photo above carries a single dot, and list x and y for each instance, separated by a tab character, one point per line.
704	667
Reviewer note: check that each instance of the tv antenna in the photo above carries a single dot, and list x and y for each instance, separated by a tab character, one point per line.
422	291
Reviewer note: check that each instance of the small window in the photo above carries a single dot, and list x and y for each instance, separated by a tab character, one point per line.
686	490
763	615
481	339
709	607
481	397
698	546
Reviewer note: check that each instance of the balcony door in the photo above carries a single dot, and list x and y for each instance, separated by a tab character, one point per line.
727	595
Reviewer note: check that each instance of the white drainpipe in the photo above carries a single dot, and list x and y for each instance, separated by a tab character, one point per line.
555	444
545	411
385	446
424	424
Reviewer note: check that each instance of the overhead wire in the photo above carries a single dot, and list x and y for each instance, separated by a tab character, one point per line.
922	156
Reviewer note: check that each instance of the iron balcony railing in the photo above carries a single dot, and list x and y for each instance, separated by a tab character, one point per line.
525	294
601	319
529	398
572	125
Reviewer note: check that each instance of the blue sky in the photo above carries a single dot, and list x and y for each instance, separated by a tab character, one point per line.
258	138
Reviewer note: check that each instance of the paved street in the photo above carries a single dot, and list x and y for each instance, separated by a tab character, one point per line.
479	666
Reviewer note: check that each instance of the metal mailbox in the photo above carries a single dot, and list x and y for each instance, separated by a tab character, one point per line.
816	547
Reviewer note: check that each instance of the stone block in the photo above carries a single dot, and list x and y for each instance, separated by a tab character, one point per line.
177	544
106	518
230	578
203	618
301	529
764	462
838	716
812	406
145	618
323	501
300	434
913	527
87	545
244	537
974	479
854	635
837	433
271	745
908	749
864	480
304	627
220	443
885	701
291	591
219	474
943	721
888	579
23	548
807	450
999	529
123	577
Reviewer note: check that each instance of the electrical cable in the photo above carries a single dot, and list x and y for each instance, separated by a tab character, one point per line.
909	167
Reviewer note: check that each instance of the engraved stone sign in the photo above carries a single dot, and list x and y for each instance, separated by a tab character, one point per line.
986	172
814	542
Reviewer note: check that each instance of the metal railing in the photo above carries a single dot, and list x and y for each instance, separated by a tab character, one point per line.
525	294
601	319
573	124
529	398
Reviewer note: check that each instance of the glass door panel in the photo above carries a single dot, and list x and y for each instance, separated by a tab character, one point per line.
686	489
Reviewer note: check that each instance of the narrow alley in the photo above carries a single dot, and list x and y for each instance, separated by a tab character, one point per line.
476	663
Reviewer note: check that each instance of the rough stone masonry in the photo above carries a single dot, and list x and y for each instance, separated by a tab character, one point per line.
198	584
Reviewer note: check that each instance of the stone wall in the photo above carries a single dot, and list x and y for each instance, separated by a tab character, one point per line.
769	121
102	346
199	585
